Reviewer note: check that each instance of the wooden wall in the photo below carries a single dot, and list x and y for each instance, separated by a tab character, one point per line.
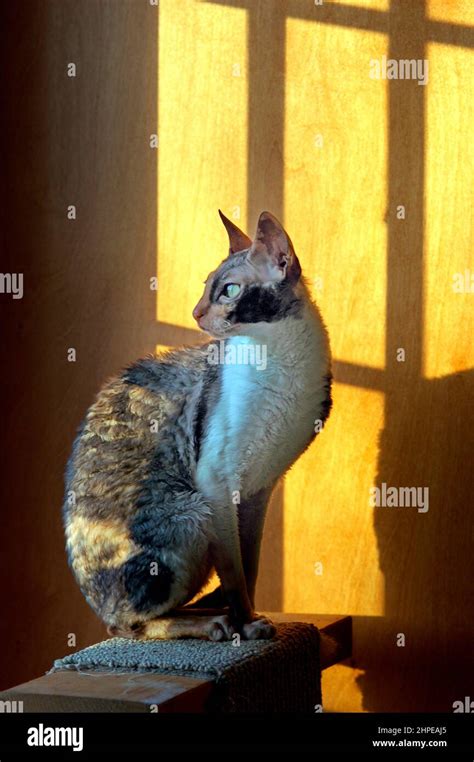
272	107
261	105
81	141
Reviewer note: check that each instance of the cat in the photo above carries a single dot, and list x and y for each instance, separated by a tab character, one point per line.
173	467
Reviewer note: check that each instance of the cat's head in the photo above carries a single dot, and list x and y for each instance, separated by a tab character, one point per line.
256	284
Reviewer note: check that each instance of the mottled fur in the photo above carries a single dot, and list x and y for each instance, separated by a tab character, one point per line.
149	509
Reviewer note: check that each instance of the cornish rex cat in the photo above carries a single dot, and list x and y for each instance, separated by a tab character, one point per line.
174	464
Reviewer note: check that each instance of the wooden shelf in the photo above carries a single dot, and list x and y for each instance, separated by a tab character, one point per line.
71	691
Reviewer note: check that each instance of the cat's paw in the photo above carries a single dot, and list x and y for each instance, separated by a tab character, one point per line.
220	628
261	628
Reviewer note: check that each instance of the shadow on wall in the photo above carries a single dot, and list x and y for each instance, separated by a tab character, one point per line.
82	141
427	557
427	442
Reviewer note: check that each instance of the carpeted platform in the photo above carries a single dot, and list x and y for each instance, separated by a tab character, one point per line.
278	675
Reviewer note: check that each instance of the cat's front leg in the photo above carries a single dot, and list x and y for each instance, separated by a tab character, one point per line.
251	513
251	518
227	558
225	548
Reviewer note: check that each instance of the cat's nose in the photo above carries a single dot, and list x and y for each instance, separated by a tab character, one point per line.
198	312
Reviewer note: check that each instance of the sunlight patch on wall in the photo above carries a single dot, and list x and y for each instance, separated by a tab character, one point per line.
449	261
202	155
335	180
451	11
341	690
327	511
160	348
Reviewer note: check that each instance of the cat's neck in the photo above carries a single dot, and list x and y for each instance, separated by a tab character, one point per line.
297	339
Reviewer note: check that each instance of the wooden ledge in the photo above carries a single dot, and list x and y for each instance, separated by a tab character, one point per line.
71	691
335	631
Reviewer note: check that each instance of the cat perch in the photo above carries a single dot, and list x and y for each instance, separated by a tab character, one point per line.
196	676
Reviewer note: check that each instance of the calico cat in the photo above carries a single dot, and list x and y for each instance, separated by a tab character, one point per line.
175	462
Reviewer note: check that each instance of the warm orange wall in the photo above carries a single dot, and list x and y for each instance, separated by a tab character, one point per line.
242	99
242	113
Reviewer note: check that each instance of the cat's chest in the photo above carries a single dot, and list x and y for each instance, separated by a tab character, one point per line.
248	402
263	418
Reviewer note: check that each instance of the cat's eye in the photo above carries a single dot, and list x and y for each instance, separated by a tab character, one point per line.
231	290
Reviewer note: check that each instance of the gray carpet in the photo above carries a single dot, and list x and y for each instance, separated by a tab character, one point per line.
278	675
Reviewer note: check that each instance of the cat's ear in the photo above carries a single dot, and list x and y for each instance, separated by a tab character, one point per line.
272	251
238	241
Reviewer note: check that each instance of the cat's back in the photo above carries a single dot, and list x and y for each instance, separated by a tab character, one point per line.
122	430
132	447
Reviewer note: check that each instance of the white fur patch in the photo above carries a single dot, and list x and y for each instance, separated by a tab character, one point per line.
265	418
